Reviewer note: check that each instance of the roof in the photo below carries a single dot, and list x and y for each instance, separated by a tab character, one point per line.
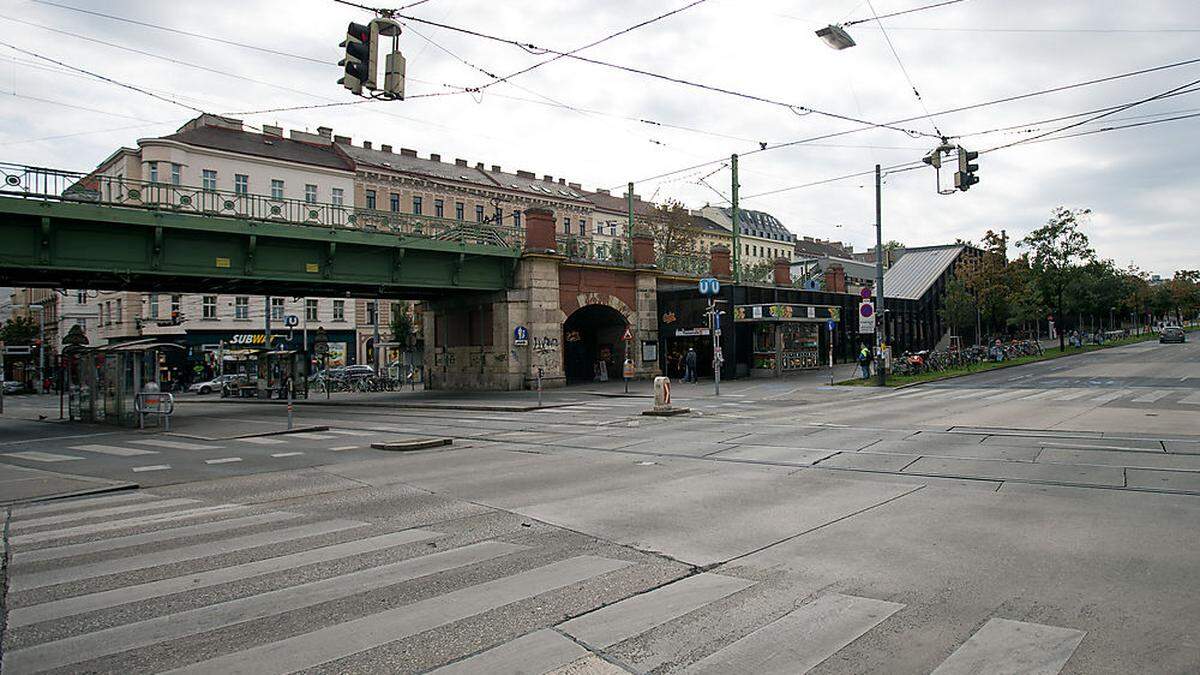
611	202
261	145
760	224
434	168
702	223
815	247
854	268
910	277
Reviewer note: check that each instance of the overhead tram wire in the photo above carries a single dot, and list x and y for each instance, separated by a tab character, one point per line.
900	12
887	38
948	111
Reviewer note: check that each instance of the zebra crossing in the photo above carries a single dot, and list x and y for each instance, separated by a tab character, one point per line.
93	586
1052	395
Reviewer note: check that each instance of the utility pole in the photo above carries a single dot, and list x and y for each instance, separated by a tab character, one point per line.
267	320
880	312
375	354
629	225
737	249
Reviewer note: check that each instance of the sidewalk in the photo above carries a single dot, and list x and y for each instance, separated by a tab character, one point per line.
21	484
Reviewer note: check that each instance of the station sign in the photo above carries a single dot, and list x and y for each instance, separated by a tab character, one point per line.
520	336
709	286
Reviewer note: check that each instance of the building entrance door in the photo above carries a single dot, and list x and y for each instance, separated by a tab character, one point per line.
592	343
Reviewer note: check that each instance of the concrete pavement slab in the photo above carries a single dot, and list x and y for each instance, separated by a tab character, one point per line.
1149	460
870	461
945	449
533	654
1016	647
1182	447
20	484
1169	480
774	454
1001	470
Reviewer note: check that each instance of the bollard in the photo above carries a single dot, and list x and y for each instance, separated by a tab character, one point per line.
289	405
662	400
539	386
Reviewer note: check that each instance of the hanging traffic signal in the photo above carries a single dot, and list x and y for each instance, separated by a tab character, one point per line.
359	61
965	177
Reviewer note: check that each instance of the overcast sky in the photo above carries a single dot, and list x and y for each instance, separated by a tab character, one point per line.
1140	183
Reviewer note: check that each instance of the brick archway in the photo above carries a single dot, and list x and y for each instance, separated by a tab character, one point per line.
582	300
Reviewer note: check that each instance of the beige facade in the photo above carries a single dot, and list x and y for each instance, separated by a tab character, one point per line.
762	238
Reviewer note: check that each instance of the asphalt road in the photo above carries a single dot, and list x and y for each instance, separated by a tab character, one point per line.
1034	519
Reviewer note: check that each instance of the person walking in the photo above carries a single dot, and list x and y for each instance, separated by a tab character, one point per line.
689	361
864	362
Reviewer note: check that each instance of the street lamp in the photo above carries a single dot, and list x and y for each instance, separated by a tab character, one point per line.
836	37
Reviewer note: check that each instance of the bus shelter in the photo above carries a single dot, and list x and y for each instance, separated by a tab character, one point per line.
103	383
277	370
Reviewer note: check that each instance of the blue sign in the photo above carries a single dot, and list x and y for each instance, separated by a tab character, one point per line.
520	336
830	324
709	286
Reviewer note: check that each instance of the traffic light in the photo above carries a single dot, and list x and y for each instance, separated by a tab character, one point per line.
965	177
360	58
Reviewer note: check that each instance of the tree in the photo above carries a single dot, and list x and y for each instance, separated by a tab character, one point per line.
673	229
958	310
989	280
761	272
19	330
403	333
1057	250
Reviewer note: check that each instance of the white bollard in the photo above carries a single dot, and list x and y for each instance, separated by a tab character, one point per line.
662	399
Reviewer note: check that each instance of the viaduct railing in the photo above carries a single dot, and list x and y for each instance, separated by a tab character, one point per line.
616	253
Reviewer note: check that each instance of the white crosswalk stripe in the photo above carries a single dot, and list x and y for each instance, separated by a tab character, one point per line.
96	528
351	432
1110	396
41	456
1072	395
1193	399
1005	646
151	467
114	450
265	440
30	523
80	504
174	445
223	460
312	437
1151	397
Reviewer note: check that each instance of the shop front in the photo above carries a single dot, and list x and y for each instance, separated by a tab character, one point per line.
210	353
787	338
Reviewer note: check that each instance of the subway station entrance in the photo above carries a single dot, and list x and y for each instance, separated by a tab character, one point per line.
592	344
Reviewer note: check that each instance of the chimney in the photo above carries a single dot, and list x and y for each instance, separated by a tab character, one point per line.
575	186
325	132
344	140
270	130
495	168
460	162
386	148
562	181
603	191
526	174
479	165
435	158
366	145
406	152
548	178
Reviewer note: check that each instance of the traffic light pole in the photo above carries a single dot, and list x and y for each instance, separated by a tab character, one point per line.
880	313
733	201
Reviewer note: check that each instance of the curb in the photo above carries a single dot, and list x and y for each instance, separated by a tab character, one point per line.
406	406
417	444
297	430
87	492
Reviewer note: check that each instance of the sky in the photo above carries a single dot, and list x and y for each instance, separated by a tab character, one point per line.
604	127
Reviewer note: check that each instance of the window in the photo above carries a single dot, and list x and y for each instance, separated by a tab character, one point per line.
276	188
458	210
153	172
107	318
82	323
370	199
310	194
81	297
337	196
208	307
417	205
612	229
208	179
310	309
241	184
119	315
439	208
479	213
277	308
599	228
175	302
372	314
395	203
241	307
566	225
499	216
175	171
339	310
152	306
516	218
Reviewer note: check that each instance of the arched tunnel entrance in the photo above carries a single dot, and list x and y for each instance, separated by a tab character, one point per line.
592	336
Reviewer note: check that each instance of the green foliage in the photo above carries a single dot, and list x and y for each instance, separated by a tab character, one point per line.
673	230
958	310
758	273
1057	251
403	329
19	330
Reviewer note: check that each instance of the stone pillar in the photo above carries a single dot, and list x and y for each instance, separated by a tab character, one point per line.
646	327
835	279
537	286
643	250
782	274
720	263
539	230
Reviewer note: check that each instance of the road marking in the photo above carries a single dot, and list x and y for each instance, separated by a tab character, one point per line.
286	454
100	513
38	510
114	450
1193	399
351	432
1043	395
95	528
1150	397
1111	396
88	646
152	467
341	448
329	644
169	534
36	456
634	616
801	639
538	652
312	437
1074	395
223	460
59	575
175	445
260	441
1007	395
397	430
1005	646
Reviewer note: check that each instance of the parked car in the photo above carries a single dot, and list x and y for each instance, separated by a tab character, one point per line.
1172	334
214	384
13	387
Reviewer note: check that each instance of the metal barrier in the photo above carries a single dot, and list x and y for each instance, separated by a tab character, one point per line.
154	403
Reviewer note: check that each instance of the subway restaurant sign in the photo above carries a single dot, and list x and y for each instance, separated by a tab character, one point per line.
248	339
786	312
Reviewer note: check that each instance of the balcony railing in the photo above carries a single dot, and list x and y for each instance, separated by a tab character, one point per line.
54	184
616	253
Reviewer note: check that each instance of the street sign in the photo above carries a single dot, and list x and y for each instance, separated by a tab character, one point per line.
628	336
830	325
291	321
866	317
709	286
520	336
865	292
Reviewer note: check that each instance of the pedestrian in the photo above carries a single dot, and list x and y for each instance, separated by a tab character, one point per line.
690	362
864	362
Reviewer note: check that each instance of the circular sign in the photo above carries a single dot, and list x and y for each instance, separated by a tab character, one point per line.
866	309
291	321
865	292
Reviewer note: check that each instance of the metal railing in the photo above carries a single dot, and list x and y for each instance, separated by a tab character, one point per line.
616	253
68	186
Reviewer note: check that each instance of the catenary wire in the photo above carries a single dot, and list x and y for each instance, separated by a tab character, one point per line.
898	13
887	38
